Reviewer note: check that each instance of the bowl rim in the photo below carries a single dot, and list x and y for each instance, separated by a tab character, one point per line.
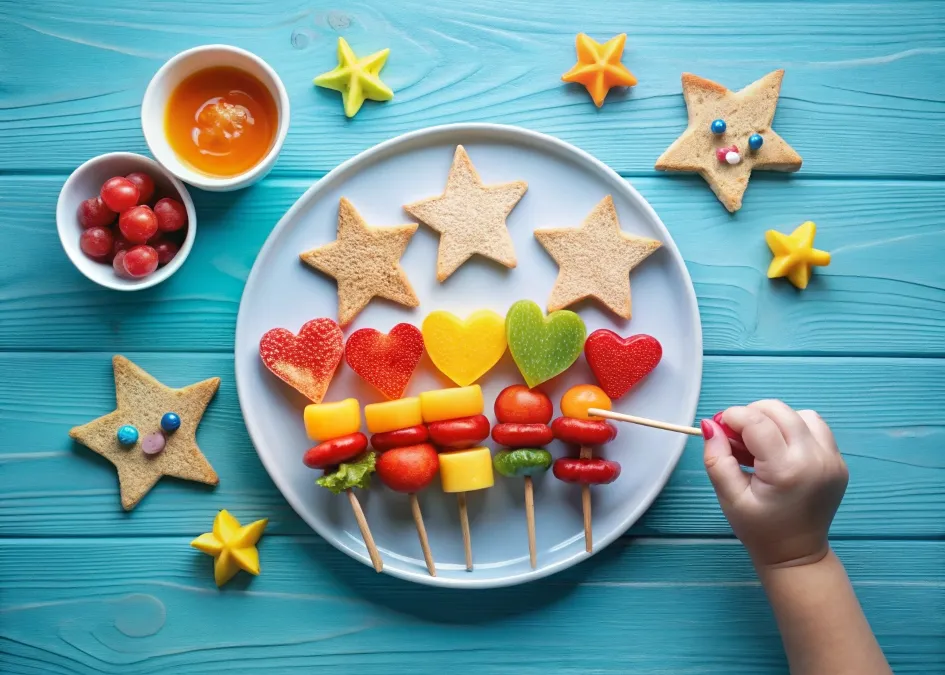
264	165
79	259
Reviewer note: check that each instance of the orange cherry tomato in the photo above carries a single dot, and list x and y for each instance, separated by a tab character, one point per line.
577	400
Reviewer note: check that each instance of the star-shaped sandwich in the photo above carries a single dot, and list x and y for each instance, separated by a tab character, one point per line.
599	68
729	134
142	404
470	217
233	546
795	255
365	261
595	260
356	79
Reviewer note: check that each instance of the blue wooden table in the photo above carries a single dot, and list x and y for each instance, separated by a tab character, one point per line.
87	588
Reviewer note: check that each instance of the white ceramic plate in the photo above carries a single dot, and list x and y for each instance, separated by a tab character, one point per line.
564	183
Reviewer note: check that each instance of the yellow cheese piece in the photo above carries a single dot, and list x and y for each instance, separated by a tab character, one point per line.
451	404
393	415
324	421
466	470
464	349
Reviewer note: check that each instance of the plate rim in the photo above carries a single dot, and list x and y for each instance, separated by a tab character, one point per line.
534	138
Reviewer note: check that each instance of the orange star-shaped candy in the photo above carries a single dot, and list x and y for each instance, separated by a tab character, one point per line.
599	68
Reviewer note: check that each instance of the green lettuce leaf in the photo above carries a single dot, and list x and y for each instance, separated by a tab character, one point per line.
350	475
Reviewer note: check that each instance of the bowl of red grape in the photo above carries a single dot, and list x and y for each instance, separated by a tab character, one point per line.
125	222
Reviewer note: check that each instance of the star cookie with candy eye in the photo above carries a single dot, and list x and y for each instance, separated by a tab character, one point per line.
233	546
795	255
470	217
356	79
152	432
595	260
729	134
599	68
365	261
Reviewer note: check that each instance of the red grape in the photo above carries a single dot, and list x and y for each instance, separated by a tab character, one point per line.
145	185
165	248
94	213
121	244
118	264
96	243
119	194
171	214
138	224
141	261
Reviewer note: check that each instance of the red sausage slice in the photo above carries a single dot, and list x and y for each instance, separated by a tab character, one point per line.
400	438
335	451
586	471
583	432
513	435
463	432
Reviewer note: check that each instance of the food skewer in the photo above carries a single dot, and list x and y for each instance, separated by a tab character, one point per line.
523	415
407	462
456	424
335	427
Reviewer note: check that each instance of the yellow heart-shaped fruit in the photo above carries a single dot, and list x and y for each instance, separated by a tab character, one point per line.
464	349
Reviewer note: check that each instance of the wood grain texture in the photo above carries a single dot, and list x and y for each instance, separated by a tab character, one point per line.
641	606
886	414
884	292
861	96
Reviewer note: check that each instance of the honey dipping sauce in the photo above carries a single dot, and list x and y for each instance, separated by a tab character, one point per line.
221	121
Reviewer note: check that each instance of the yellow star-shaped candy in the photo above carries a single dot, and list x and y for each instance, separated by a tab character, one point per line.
795	255
233	546
356	79
599	67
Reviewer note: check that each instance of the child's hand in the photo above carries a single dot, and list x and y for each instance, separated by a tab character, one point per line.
782	512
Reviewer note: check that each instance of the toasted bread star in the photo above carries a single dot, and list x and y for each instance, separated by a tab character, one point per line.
795	255
470	217
599	68
142	402
595	260
233	546
743	115
356	79
365	261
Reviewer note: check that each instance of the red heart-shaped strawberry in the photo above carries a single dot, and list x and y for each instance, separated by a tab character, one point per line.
619	363
385	361
306	361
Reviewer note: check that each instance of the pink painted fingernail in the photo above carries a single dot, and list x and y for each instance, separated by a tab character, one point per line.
707	430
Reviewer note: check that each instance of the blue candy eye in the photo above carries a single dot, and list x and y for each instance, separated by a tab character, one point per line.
755	141
718	127
127	435
170	422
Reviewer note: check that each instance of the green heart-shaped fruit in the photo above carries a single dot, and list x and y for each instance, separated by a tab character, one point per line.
543	346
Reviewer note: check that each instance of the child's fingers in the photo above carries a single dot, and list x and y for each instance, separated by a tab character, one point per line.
761	435
819	429
792	427
726	475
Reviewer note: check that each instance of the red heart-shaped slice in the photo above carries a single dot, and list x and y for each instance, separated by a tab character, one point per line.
385	361
306	361
619	363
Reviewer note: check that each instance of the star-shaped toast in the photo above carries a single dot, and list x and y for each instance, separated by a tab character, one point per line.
720	119
595	260
365	261
142	402
470	217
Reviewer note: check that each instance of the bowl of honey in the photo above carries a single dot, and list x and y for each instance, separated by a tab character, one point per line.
216	117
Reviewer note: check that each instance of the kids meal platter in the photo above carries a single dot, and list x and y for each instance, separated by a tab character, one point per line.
438	343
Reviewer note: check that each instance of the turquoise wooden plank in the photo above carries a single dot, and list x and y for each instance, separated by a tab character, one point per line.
884	292
860	95
641	606
887	415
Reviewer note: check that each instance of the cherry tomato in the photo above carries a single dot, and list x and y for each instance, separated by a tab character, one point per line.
463	432
145	185
171	214
586	471
140	261
138	224
93	213
335	451
165	248
408	469
522	405
400	438
96	243
583	432
513	435
118	264
119	194
577	400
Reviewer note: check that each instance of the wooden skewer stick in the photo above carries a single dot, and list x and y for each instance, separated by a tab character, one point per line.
464	523
644	421
365	531
530	520
422	532
586	453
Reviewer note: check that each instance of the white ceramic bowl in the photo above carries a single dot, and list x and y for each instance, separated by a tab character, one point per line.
186	64
85	182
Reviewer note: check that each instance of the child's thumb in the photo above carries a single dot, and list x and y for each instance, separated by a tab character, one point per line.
726	475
